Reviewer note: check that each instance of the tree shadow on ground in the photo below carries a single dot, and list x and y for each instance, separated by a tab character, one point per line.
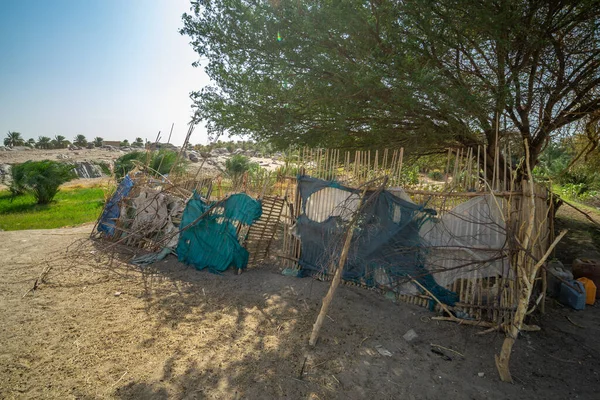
583	239
245	336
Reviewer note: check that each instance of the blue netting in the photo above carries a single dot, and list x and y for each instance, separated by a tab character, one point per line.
212	241
386	247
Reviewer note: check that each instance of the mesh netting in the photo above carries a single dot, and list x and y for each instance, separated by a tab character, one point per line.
386	248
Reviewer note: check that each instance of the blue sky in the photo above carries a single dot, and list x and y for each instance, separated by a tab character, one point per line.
111	68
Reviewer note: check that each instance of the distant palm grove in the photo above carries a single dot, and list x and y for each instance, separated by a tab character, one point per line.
15	139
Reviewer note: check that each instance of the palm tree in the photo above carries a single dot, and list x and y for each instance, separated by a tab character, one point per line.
60	141
80	140
13	139
139	142
98	141
43	142
31	142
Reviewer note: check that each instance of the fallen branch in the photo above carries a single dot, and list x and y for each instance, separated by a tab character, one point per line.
39	280
581	211
574	323
445	348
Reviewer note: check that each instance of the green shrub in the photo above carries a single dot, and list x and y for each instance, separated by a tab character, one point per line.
410	175
236	166
164	160
17	173
260	179
160	162
127	162
436	176
105	168
40	178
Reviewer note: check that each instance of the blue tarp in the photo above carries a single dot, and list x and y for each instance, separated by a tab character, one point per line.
211	241
112	210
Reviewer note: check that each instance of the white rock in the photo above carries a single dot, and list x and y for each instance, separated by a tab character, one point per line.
410	335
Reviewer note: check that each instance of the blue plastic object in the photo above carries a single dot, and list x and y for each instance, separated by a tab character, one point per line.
112	210
571	297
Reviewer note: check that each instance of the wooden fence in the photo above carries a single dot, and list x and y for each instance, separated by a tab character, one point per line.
486	285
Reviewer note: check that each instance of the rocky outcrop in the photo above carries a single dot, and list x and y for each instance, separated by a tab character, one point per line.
86	169
5	177
168	146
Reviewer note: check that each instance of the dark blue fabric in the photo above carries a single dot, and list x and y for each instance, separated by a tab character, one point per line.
112	210
386	246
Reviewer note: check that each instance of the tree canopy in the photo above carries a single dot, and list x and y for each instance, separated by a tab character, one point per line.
80	140
13	139
422	74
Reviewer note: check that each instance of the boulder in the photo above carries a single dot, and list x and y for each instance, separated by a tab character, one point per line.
168	146
5	176
193	157
86	169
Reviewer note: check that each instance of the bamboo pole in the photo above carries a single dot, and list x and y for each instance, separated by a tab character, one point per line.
400	164
338	272
485	178
448	167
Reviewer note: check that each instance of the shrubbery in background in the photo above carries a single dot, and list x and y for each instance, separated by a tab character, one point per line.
160	162
410	175
573	167
40	178
236	166
436	175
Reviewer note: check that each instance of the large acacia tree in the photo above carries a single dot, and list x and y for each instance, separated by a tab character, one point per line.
418	73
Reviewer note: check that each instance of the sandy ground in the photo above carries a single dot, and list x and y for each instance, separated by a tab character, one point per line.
101	329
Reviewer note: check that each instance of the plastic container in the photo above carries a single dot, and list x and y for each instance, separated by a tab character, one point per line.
588	268
571	297
590	290
557	274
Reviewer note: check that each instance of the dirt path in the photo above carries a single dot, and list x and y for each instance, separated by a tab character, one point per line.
583	240
101	330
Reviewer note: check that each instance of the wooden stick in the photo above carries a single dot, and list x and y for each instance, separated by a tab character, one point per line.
442	305
503	359
445	348
581	211
338	272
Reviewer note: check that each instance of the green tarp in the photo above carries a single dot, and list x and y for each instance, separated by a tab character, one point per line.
212	242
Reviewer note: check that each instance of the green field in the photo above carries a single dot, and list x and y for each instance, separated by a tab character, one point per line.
70	207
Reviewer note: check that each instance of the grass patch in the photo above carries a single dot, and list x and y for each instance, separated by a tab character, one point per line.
70	207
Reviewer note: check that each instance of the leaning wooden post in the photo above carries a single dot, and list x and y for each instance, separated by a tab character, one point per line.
527	272
340	268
